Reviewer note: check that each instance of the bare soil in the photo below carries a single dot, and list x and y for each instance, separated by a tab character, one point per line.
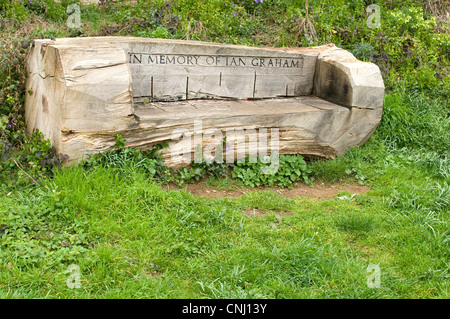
319	191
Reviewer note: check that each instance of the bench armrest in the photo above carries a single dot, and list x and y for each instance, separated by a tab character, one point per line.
342	79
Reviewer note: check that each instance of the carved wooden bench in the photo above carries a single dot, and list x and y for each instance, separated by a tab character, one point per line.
84	91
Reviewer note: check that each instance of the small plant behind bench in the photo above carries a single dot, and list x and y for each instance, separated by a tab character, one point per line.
291	169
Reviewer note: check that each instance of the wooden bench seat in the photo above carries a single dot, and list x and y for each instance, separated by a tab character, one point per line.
84	91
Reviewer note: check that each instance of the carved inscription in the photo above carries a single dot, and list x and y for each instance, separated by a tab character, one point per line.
197	75
216	60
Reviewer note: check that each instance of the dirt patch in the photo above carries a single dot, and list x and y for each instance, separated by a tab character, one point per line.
322	191
318	191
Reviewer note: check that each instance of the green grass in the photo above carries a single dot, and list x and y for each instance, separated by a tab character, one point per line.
223	183
132	239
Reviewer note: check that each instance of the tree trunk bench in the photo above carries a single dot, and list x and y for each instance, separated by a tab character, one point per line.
82	92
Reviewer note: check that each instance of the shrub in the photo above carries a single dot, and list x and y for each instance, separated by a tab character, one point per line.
363	51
